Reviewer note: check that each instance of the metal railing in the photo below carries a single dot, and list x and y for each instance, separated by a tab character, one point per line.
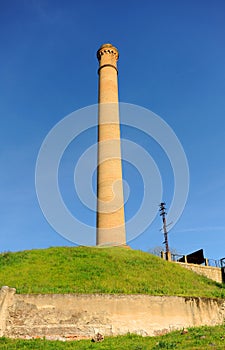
208	262
214	263
176	257
222	262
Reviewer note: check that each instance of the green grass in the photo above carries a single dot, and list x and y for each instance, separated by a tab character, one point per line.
196	339
101	270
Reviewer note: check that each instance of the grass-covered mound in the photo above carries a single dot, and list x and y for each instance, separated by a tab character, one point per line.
202	338
100	270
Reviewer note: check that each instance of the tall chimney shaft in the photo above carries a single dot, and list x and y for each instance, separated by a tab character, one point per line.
110	205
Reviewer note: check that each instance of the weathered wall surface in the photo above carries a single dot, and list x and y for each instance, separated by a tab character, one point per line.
6	301
70	315
214	273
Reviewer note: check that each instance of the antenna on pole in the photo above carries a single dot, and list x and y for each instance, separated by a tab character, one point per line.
163	213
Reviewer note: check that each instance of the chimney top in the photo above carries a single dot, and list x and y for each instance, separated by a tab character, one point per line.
107	48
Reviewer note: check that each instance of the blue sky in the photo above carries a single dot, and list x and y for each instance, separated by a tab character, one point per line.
172	61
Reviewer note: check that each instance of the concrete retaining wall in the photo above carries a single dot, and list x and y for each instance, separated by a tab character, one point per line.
214	273
79	316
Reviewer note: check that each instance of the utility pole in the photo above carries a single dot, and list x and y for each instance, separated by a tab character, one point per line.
163	213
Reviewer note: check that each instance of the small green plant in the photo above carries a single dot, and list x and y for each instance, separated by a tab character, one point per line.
139	347
165	345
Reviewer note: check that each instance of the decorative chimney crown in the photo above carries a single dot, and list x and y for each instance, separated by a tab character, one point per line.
107	49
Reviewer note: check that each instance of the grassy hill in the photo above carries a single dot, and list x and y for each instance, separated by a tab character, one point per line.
100	270
201	338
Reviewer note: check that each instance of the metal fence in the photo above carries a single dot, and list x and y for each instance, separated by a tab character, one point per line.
209	262
222	262
176	257
214	263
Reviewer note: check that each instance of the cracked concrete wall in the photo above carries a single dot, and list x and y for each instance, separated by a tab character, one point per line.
70	315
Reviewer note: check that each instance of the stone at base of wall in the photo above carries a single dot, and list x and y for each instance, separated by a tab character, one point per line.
75	316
